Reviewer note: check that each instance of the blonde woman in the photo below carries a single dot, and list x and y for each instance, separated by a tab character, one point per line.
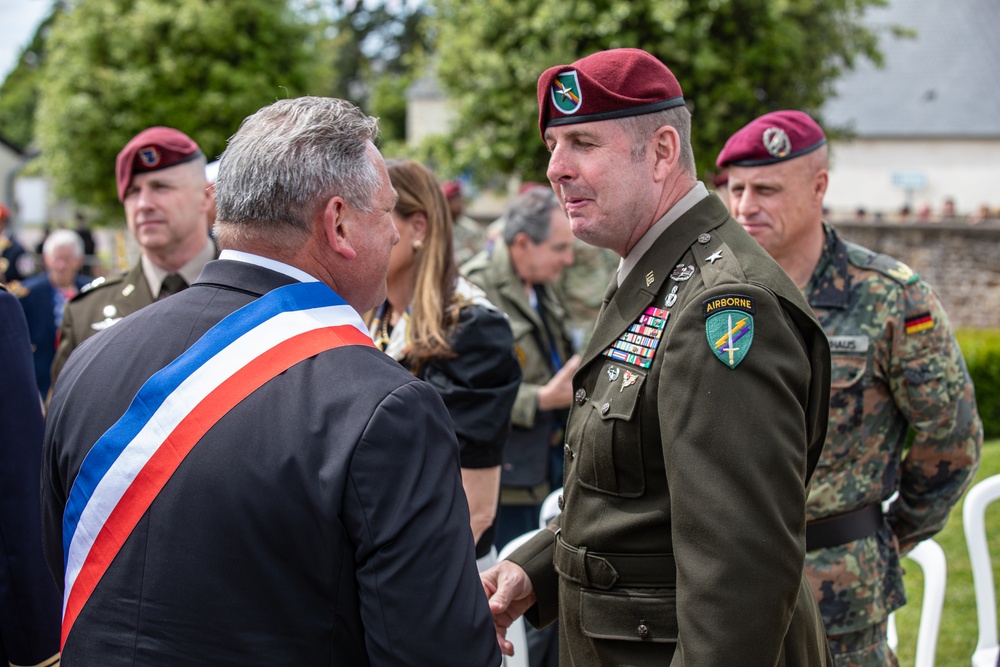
444	330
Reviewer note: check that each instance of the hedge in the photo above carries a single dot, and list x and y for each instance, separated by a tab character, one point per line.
981	348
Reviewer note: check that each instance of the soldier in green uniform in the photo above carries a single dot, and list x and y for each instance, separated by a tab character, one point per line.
518	275
699	413
161	181
896	366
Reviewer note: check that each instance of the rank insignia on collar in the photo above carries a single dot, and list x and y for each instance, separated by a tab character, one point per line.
566	95
612	373
714	257
682	272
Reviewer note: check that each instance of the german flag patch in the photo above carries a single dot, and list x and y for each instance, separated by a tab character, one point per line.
918	323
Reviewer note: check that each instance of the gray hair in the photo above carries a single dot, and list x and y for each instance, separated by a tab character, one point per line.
531	213
641	128
289	159
62	238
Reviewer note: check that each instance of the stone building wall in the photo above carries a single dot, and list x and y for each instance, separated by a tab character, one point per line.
961	262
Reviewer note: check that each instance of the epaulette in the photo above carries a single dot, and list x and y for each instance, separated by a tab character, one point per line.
887	266
17	289
100	282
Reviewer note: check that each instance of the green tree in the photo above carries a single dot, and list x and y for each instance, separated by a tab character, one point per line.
19	91
735	59
116	67
369	52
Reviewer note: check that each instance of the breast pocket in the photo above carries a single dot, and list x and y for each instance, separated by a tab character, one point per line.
610	451
850	376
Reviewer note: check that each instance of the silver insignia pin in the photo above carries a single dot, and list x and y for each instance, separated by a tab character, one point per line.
612	373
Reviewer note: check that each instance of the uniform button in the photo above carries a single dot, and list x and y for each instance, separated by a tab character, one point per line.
567	451
642	631
581	396
704	238
561	503
605	408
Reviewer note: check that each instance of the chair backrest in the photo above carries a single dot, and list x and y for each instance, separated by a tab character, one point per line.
974	520
550	508
930	557
515	633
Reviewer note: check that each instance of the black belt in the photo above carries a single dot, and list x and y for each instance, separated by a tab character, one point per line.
840	529
603	571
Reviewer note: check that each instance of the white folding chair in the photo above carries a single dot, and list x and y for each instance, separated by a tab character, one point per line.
550	508
930	557
974	519
515	633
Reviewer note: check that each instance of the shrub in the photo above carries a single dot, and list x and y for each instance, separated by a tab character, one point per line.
981	348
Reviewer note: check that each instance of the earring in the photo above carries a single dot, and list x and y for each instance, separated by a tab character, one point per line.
418	245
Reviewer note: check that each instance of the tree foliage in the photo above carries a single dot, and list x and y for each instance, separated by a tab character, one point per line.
735	59
116	67
368	54
19	91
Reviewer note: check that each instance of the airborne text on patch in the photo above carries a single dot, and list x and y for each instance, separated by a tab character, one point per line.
730	301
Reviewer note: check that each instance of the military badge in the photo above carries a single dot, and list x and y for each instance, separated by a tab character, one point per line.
671	298
682	272
729	326
776	142
628	379
650	278
566	95
918	323
522	357
714	257
612	373
902	273
149	156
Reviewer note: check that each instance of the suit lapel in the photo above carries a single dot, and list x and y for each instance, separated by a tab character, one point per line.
640	288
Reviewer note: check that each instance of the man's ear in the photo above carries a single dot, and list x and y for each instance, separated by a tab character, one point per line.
337	221
666	143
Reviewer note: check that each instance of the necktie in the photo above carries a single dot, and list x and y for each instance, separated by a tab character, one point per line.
172	284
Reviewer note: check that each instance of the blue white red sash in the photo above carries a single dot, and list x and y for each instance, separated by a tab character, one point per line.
129	465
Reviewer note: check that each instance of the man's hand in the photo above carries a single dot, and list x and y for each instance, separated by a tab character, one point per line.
510	594
557	393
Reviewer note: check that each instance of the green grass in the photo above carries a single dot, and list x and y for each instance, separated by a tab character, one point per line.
959	623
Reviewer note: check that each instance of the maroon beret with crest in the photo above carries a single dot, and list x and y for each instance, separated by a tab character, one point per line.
607	84
774	137
151	150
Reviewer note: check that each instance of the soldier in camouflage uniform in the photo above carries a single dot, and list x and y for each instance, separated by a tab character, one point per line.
896	365
468	235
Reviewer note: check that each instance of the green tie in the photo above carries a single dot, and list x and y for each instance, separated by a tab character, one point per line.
172	284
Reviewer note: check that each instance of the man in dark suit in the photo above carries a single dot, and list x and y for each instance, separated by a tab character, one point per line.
279	491
44	296
700	405
29	601
160	174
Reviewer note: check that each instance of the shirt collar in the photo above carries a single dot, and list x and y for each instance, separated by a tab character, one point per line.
155	274
830	282
685	204
268	263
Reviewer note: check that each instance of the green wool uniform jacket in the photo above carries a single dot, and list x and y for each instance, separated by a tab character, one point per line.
98	306
682	535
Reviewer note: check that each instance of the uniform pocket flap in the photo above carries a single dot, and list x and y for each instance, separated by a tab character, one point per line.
847	369
629	616
617	398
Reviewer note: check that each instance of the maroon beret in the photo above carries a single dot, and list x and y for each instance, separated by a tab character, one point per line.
151	150
451	189
605	85
774	137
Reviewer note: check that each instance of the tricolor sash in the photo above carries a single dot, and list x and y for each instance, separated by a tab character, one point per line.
129	465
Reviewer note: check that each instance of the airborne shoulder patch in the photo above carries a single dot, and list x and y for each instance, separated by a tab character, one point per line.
729	327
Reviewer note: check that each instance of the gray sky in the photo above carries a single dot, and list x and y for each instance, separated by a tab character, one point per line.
18	21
